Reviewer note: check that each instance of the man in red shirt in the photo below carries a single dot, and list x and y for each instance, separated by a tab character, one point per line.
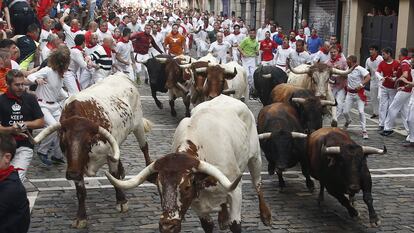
267	46
386	76
401	99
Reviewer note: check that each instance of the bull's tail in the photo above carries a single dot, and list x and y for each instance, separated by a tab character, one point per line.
147	125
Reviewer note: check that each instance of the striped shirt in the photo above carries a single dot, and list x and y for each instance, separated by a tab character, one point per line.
100	58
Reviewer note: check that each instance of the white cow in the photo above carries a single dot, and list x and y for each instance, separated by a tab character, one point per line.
238	84
210	152
93	121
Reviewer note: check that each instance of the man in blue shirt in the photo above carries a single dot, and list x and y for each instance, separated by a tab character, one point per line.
314	42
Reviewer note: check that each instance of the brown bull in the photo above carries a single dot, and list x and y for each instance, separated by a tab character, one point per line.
340	165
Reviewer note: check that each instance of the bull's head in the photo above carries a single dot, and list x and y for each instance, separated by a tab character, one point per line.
77	136
179	178
319	74
311	112
175	74
350	162
216	83
281	145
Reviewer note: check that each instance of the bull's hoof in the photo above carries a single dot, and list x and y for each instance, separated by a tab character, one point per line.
224	225
310	185
353	213
265	215
122	208
159	105
375	222
282	184
79	223
334	123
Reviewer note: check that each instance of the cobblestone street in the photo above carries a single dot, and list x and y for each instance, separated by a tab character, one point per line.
293	210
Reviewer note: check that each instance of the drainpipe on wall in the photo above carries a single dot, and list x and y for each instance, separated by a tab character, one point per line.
346	27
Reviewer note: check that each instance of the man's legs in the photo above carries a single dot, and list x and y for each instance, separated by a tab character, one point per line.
361	111
373	94
400	99
69	81
387	96
347	107
22	160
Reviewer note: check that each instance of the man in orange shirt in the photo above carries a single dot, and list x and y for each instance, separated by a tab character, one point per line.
174	42
4	60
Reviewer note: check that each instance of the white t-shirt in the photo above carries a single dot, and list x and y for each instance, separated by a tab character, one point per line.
261	34
15	65
159	39
356	77
111	27
321	57
282	54
44	54
134	28
297	59
51	91
236	39
70	36
102	35
372	66
77	61
124	50
43	38
220	50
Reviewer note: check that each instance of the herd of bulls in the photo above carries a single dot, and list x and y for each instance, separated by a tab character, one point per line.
217	140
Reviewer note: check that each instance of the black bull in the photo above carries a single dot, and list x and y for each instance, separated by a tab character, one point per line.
265	79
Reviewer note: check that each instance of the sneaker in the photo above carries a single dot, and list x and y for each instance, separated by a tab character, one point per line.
365	135
346	125
43	158
57	160
387	132
373	116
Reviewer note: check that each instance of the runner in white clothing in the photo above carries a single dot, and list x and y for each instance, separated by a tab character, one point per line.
103	31
356	82
72	31
49	93
299	56
282	54
410	118
371	65
235	38
220	48
323	55
76	66
125	54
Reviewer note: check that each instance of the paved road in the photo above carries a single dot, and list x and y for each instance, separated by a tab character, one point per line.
54	202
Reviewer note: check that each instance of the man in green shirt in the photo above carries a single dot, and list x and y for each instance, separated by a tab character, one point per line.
249	50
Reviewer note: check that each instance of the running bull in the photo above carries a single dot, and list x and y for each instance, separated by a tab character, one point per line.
340	165
202	171
265	79
93	121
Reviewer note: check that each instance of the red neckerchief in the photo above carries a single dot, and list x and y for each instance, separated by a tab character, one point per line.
314	36
78	47
116	37
226	33
43	27
302	36
333	61
88	36
50	46
280	35
122	39
55	31
6	172
74	29
284	47
108	50
236	33
12	96
293	40
373	58
404	58
323	50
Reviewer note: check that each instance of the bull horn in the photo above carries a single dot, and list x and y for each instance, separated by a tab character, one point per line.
298	100
46	132
372	150
182	87
342	72
220	62
299	135
205	84
152	55
213	171
234	72
229	91
201	69
161	59
328	102
211	64
266	75
134	181
331	150
264	136
185	66
112	141
297	71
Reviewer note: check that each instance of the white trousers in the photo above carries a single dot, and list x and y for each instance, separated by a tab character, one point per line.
69	81
141	68
386	97
349	100
236	54
249	63
100	75
51	114
22	159
202	48
373	95
339	95
86	78
399	104
410	119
